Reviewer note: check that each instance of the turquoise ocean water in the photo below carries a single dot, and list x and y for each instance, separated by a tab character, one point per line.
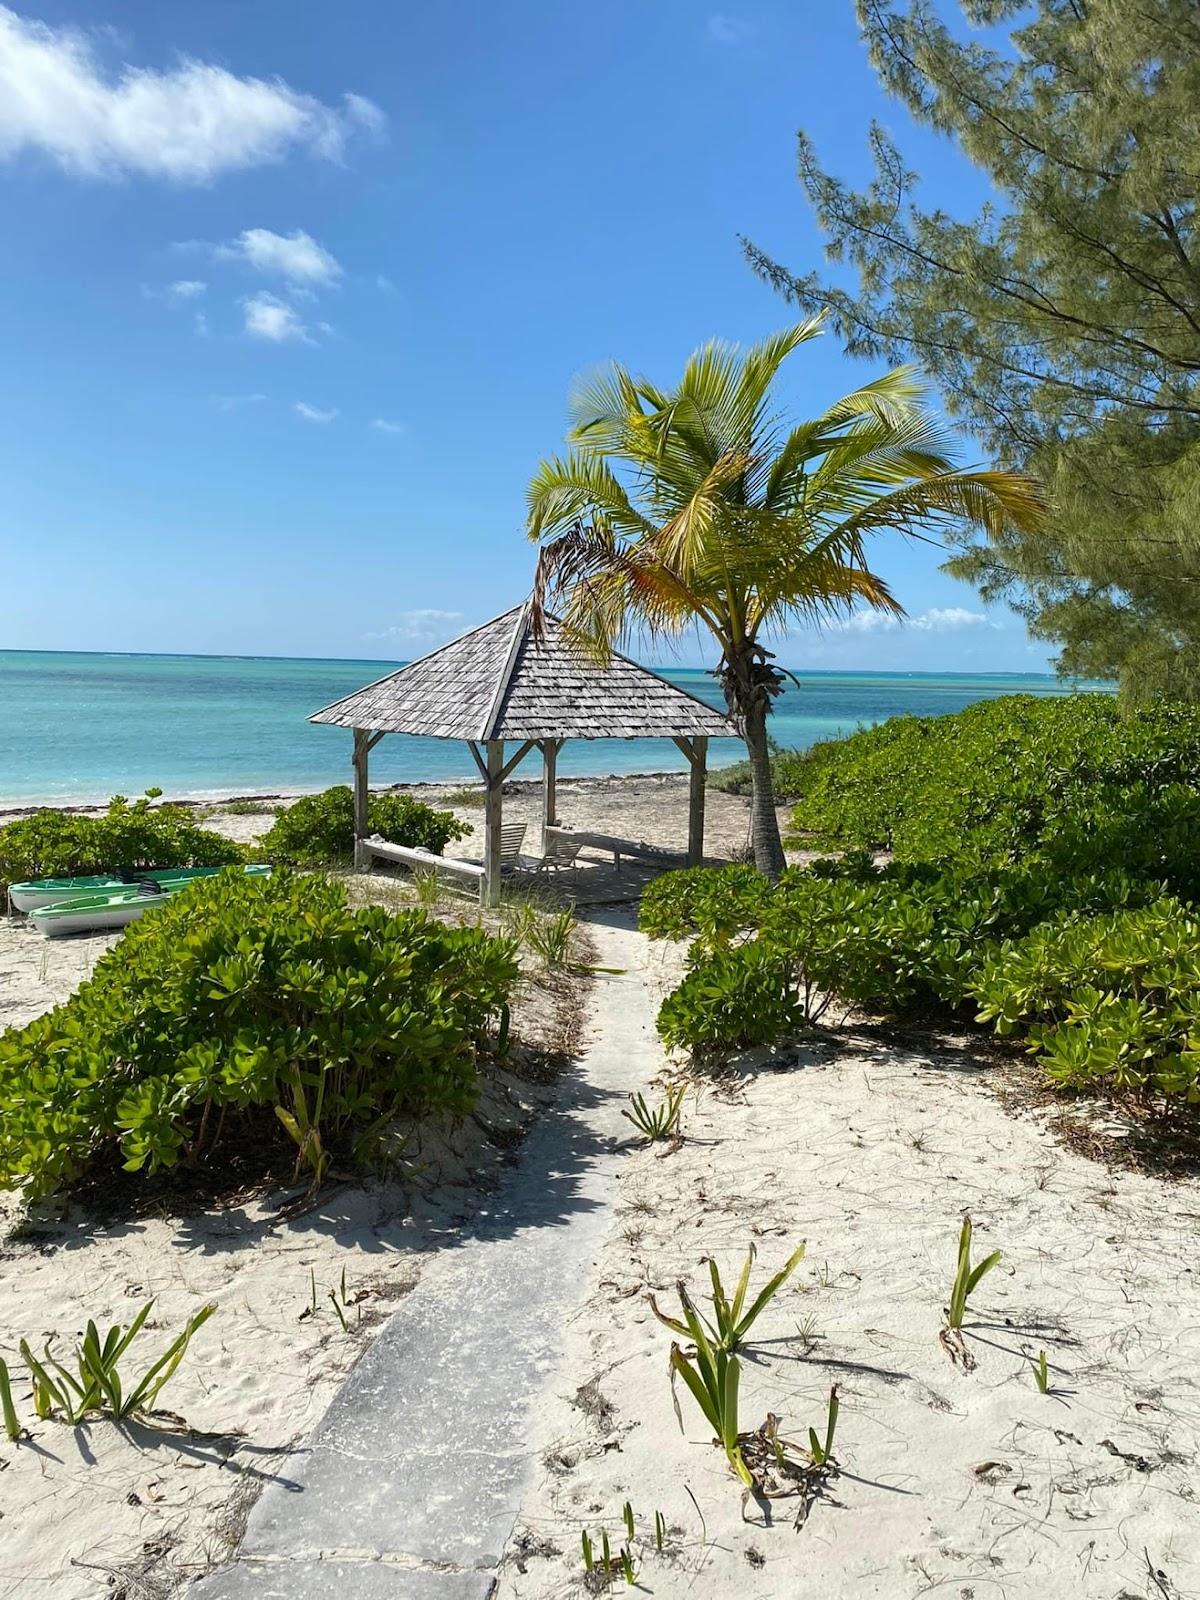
75	728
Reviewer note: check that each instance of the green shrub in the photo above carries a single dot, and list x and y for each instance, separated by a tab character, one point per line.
319	829
714	903
885	939
1108	1002
124	838
1045	852
731	1000
242	993
1006	777
789	769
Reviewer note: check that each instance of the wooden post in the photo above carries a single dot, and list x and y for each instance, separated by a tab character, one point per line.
549	795
699	760
362	756
492	813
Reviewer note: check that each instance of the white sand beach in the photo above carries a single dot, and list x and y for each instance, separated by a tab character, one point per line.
868	1146
962	1483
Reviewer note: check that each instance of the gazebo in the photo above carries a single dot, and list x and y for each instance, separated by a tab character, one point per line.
499	684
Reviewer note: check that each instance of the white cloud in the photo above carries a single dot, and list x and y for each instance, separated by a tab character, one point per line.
295	256
268	317
384	284
947	619
186	289
235	402
424	626
950	619
200	324
732	32
190	122
313	413
383	425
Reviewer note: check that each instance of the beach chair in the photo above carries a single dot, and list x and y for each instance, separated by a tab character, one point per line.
560	855
512	837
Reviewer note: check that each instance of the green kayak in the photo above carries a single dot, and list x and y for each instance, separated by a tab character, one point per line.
52	891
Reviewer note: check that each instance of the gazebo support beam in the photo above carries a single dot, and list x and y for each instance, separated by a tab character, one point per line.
494	779
696	751
550	749
364	742
362	751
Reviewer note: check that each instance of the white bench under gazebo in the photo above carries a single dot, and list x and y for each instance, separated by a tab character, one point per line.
500	685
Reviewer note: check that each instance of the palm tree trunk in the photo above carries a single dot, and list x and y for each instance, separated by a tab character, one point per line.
750	683
764	824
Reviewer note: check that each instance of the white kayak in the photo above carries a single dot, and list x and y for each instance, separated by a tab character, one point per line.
52	891
97	913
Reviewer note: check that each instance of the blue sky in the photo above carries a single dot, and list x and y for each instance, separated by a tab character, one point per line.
293	295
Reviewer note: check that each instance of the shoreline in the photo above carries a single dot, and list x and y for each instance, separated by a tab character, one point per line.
11	811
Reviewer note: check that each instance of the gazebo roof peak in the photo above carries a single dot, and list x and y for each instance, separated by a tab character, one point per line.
497	681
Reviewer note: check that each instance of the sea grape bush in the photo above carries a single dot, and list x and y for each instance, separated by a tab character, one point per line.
731	999
1111	1001
318	830
765	959
1070	776
245	993
124	838
1045	870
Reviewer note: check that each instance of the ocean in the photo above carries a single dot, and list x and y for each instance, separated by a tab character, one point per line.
76	728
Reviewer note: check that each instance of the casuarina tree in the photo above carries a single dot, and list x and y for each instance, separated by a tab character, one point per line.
1060	317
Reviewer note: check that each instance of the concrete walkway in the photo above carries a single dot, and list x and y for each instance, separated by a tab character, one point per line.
411	1482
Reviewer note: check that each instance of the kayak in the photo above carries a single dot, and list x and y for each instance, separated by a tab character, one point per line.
52	891
93	913
96	913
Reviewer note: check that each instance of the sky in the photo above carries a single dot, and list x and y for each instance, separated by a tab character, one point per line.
293	295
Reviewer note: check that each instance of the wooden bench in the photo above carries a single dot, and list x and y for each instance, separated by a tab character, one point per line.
558	838
375	848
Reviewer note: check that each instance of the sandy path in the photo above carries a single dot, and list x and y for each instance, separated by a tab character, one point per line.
410	1484
965	1484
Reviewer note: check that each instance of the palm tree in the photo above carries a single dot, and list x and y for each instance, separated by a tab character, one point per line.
700	504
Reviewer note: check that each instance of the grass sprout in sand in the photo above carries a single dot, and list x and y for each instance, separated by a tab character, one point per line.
732	1320
98	1387
656	1123
966	1280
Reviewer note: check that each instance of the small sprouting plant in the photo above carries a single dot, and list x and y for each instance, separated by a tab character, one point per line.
427	886
98	1386
607	1568
732	1318
659	1122
660	1531
967	1277
821	1451
1041	1372
12	1427
712	1375
549	937
338	1299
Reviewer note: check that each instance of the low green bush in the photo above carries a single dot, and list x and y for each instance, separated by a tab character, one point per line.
318	830
1109	1002
731	1000
1067	775
789	771
241	993
124	838
1044	856
886	939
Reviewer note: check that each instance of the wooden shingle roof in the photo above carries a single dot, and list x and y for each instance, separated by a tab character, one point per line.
497	682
